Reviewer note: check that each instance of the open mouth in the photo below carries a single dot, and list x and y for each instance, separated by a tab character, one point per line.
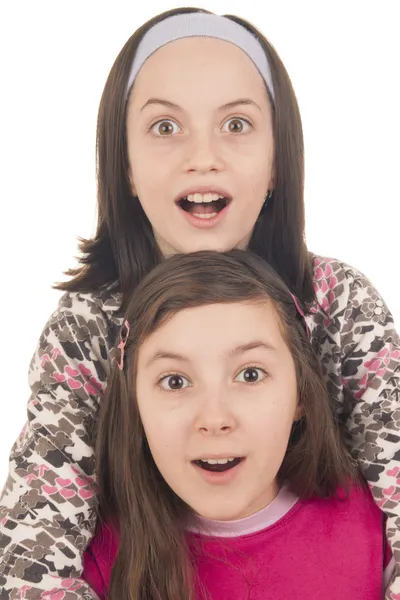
218	466
204	206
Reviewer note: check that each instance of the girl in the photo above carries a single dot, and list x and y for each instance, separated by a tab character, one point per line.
217	408
199	147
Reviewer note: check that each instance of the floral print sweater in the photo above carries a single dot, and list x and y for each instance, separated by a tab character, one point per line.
48	504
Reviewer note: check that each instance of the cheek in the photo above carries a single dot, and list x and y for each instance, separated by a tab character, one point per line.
165	432
152	183
140	169
255	176
141	162
152	425
272	424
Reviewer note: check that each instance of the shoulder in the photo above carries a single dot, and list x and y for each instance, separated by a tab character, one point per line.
82	328
92	313
344	293
335	281
105	303
355	503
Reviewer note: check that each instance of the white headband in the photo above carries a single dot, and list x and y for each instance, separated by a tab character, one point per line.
201	24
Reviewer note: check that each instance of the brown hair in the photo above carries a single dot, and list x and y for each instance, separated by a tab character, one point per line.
153	562
123	248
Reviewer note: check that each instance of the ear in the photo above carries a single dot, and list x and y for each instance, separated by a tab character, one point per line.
298	412
272	181
272	177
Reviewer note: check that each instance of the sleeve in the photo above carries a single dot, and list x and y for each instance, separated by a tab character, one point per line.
370	358
47	506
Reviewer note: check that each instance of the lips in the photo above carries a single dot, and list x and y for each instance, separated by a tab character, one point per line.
204	202
207	209
218	466
203	190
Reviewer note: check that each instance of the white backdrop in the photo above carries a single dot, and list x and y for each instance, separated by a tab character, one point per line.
343	58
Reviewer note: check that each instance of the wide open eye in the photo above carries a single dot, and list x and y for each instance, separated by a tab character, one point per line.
174	382
251	375
165	128
236	125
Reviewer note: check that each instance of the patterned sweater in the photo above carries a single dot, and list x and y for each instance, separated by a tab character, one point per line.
48	504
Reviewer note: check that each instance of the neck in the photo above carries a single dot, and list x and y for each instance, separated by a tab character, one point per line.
273	512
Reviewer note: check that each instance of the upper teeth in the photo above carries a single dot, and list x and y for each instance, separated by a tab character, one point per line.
203	197
215	461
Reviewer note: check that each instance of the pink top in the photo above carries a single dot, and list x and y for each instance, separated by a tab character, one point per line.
320	548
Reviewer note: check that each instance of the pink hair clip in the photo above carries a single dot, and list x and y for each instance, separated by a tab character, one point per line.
300	311
123	338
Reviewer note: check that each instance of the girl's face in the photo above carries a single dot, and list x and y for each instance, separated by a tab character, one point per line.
218	383
199	129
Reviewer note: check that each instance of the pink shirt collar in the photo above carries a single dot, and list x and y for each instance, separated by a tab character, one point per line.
273	512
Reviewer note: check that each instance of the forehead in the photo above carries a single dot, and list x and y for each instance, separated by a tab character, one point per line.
199	62
216	329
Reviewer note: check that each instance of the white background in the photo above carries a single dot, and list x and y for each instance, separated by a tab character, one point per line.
343	58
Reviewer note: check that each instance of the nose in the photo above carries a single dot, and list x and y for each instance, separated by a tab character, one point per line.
203	153
215	416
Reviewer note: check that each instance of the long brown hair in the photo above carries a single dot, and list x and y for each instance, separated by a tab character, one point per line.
123	248
153	562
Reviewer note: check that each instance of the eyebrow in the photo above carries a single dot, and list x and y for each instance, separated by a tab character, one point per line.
251	346
161	354
227	106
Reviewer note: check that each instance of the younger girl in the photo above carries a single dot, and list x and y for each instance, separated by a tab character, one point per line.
220	467
200	147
